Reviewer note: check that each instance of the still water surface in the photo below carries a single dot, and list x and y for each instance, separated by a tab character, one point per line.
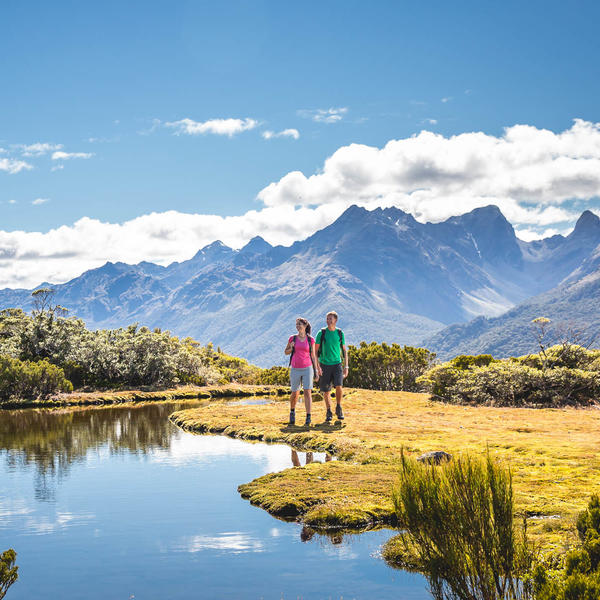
117	503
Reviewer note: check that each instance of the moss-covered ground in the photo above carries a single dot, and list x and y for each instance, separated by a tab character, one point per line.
554	455
147	395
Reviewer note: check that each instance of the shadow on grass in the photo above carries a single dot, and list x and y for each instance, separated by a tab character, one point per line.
320	427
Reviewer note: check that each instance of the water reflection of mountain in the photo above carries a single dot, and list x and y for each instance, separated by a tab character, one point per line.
53	440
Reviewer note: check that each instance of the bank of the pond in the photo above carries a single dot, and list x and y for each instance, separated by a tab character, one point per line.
554	455
123	396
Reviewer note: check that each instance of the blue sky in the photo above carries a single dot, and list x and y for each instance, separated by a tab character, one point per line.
101	82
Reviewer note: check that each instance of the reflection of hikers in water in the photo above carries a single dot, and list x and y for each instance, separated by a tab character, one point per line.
296	459
301	349
331	349
306	534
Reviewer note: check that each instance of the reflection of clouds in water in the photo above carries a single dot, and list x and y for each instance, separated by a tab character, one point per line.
341	551
234	542
17	515
189	448
11	508
62	521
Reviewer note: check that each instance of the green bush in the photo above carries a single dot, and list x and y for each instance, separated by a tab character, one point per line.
387	367
517	382
130	356
274	376
580	577
570	356
466	361
30	380
458	519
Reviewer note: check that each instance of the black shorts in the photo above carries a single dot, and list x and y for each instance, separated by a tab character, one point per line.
331	373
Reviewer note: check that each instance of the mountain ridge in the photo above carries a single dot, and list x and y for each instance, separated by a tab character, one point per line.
389	277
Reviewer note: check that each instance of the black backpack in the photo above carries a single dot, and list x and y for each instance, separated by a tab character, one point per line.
323	340
294	348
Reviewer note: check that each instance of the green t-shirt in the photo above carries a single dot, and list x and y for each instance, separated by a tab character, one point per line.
331	353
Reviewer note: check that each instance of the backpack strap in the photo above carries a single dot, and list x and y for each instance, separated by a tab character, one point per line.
322	341
343	354
292	352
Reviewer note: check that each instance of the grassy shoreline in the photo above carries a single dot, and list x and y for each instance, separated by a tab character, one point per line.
554	455
124	396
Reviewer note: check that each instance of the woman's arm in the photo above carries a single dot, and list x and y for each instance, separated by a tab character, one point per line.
289	347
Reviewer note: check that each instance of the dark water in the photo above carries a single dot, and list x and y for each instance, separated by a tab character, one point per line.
117	503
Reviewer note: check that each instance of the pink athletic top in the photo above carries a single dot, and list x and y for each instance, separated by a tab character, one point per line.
301	357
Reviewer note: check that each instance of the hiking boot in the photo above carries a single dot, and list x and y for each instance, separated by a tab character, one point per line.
338	412
328	416
292	417
308	421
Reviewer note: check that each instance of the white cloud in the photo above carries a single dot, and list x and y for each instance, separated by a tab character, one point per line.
11	201
38	149
430	121
324	115
228	127
528	235
58	167
68	155
13	166
524	171
293	133
39	201
531	174
28	258
446	99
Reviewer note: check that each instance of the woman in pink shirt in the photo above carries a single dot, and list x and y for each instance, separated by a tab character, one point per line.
301	348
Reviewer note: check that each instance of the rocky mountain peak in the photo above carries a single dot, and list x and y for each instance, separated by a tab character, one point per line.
587	225
257	245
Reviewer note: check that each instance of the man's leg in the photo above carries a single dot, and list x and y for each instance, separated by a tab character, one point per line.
338	379
325	387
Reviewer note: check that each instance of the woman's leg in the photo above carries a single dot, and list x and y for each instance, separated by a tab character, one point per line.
294	400
308	401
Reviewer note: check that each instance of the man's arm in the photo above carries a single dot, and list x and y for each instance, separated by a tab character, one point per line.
345	361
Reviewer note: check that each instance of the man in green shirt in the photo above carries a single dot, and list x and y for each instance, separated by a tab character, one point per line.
330	346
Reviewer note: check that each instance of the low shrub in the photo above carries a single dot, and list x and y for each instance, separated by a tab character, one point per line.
458	518
524	381
387	366
30	380
274	376
579	578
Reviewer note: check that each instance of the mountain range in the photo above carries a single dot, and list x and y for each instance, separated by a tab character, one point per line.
467	284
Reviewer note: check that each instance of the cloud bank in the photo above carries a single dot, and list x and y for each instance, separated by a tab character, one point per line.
533	175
